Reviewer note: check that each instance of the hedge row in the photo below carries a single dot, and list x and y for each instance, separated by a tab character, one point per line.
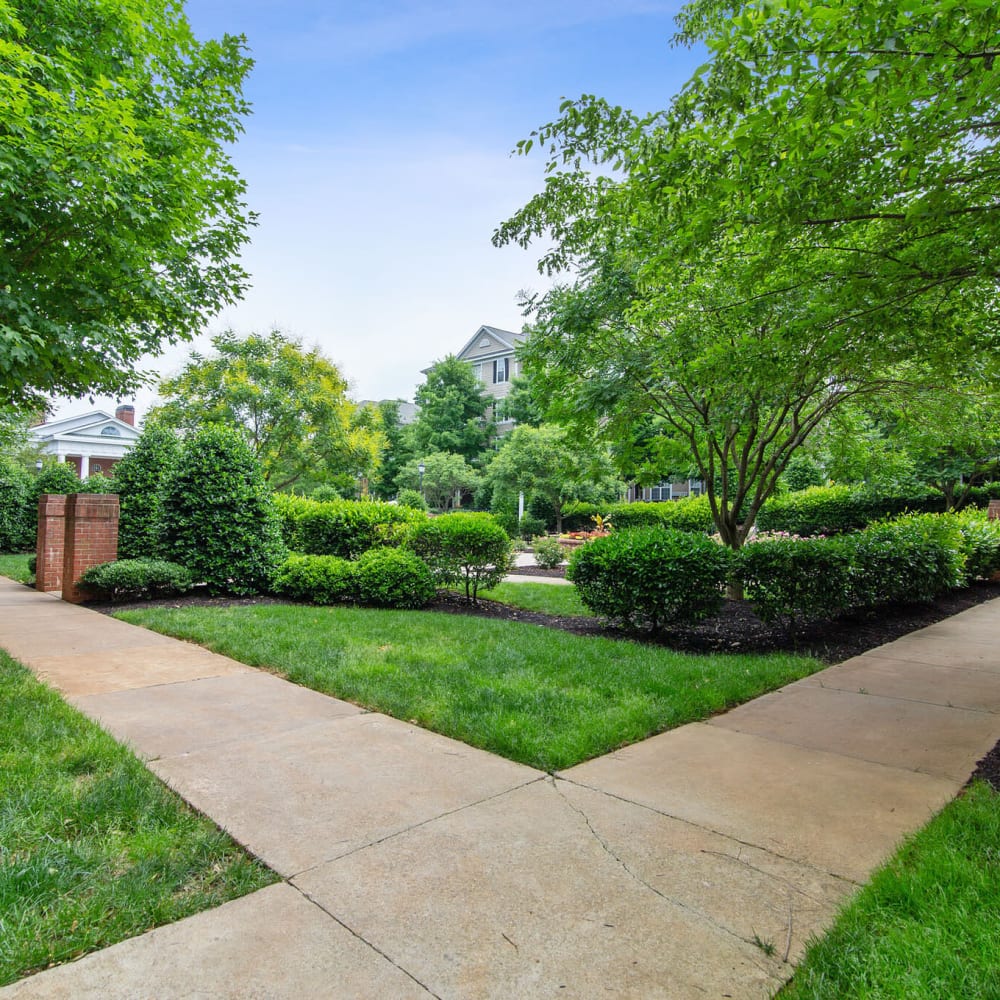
688	514
651	577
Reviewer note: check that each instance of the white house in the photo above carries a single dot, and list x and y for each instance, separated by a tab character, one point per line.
92	442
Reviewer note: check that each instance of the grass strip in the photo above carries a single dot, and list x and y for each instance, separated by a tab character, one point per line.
538	696
546	598
15	565
926	926
93	847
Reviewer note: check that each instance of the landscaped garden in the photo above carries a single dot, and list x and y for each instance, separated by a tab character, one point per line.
93	847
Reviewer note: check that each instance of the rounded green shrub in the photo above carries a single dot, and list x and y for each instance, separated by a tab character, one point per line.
468	550
651	577
981	544
318	579
325	492
411	499
131	579
548	552
57	477
18	508
98	483
348	528
218	515
139	478
393	578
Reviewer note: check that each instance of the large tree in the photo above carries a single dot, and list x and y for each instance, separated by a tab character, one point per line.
291	404
121	214
445	475
452	414
762	255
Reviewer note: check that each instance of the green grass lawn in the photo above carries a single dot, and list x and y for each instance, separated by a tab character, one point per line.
927	926
15	565
547	598
93	848
535	695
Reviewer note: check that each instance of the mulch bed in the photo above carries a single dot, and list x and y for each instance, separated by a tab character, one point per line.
559	572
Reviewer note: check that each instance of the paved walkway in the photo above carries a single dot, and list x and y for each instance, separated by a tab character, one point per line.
415	866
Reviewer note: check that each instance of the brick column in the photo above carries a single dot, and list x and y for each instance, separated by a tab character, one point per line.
91	538
51	535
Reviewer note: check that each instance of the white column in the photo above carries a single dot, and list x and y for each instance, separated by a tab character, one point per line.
84	466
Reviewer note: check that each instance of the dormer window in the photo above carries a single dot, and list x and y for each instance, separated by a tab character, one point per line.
501	370
110	431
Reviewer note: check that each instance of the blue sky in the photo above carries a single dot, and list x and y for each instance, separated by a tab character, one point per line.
378	158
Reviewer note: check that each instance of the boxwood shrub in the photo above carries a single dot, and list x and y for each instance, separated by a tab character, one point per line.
648	578
131	579
318	579
393	578
18	508
467	550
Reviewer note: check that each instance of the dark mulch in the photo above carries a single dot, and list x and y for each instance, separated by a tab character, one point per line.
559	571
988	769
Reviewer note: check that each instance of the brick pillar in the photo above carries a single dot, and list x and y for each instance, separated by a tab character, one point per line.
994	510
91	538
51	536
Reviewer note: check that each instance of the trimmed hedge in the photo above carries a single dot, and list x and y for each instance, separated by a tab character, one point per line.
651	577
468	550
129	579
393	578
318	579
344	528
687	514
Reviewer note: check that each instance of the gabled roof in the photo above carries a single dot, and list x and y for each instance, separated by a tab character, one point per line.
84	426
505	341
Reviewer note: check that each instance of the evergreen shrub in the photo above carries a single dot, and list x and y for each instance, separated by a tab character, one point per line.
139	478
218	515
648	578
393	578
345	528
317	579
18	508
468	550
548	552
411	499
131	579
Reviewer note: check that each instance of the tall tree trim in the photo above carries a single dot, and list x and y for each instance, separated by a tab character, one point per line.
121	214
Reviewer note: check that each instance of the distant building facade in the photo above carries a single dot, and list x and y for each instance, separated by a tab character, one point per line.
91	442
491	354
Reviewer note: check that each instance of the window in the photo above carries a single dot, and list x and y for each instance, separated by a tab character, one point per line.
110	432
501	370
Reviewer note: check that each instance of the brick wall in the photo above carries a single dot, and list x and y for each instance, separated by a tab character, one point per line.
91	539
51	538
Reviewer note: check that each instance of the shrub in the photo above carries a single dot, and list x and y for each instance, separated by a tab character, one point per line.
529	527
319	579
411	499
464	549
792	579
981	544
651	577
98	483
218	515
57	477
576	515
139	478
18	508
687	514
393	578
345	528
129	579
548	552
325	492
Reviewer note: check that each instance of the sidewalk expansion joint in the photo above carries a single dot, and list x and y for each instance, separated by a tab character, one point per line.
416	826
636	877
719	833
368	944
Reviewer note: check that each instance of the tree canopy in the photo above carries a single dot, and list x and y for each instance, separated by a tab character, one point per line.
291	404
121	214
791	234
452	413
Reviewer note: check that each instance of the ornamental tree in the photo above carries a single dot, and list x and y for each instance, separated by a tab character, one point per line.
121	214
291	403
452	413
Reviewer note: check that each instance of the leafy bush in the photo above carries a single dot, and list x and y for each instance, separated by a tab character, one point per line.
393	578
98	483
218	515
139	478
345	528
981	544
651	577
687	514
129	579
577	515
529	527
319	579
325	492
548	552
18	508
792	579
57	477
463	549
411	499
33	564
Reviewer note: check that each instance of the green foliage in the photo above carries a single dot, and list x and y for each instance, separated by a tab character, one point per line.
122	214
687	514
218	515
445	474
470	550
649	578
325	492
98	483
980	543
411	499
527	528
344	528
393	578
802	472
129	579
291	403
57	477
139	478
452	418
18	508
548	552
318	579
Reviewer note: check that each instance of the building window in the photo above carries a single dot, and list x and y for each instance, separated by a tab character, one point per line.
110	432
501	370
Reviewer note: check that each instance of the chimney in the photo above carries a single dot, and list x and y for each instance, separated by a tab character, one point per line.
126	414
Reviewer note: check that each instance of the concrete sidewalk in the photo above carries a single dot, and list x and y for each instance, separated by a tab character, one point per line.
418	866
